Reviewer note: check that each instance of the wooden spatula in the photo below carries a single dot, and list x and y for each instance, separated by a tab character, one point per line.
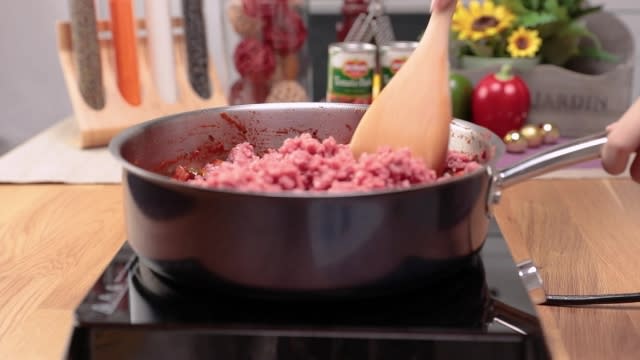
414	109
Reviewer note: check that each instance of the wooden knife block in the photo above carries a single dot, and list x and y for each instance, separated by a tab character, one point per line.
98	127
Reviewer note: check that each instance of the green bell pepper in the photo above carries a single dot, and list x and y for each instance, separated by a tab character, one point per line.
461	90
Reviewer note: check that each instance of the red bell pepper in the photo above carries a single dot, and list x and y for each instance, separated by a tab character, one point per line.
501	102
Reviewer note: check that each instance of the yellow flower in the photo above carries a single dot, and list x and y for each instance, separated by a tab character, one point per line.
480	21
524	43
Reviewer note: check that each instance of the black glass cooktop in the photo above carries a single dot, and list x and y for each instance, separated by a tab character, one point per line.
133	313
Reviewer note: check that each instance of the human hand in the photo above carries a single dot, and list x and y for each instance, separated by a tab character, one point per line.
623	140
442	5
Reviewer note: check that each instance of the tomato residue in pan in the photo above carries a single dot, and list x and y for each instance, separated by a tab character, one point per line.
233	122
205	153
292	130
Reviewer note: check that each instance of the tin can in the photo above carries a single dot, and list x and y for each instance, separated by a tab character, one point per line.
393	56
351	66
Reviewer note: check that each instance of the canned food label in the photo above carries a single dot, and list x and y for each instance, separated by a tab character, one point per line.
391	68
392	58
350	75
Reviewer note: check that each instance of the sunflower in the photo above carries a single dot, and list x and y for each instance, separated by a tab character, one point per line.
523	43
480	21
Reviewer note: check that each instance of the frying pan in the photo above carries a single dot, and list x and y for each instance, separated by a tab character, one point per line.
303	244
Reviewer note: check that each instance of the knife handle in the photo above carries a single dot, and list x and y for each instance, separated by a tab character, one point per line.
196	43
86	52
124	43
162	57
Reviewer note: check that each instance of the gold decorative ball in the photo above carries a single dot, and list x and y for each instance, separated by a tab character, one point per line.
515	142
532	134
550	133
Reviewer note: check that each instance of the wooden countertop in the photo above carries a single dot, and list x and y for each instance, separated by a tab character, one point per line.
55	240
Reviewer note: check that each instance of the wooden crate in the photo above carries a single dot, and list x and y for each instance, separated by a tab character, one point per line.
98	127
583	98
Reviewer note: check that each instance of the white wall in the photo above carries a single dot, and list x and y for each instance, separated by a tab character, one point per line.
32	92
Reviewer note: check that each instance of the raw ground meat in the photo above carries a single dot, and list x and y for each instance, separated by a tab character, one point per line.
307	164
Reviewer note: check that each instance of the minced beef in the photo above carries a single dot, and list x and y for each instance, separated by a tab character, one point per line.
304	163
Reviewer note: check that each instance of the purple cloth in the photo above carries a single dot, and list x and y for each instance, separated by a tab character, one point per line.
509	159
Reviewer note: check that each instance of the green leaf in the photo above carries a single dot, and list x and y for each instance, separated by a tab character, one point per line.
551	5
559	49
480	49
534	19
515	6
560	12
565	44
551	29
586	11
571	5
575	30
534	4
567	3
562	45
598	54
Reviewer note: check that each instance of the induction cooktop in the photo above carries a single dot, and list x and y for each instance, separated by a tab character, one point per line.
133	313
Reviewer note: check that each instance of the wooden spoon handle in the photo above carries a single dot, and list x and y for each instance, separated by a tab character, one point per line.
435	57
414	108
440	6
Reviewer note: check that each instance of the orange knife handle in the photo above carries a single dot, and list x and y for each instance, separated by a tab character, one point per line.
124	42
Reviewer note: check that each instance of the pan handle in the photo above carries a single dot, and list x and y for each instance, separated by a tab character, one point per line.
561	156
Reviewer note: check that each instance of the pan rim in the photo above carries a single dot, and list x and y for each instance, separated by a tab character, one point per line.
117	142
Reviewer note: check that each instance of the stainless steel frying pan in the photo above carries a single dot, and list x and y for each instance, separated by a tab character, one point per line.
340	245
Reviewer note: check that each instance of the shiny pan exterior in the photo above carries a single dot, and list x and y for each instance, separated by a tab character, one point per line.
265	244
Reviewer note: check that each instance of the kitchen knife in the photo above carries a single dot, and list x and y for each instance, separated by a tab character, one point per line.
196	43
86	52
160	42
